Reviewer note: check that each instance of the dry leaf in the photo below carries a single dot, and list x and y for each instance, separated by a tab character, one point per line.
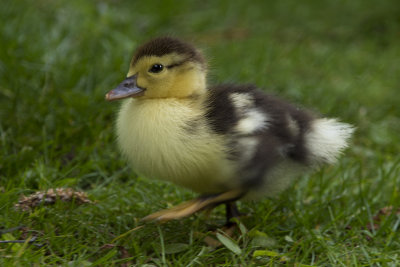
50	196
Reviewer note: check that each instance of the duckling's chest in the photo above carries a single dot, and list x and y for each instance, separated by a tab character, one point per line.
170	140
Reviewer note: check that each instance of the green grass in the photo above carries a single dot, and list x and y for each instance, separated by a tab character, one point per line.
59	58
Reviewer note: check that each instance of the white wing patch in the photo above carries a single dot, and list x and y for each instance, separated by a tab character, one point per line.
252	121
242	100
251	118
248	146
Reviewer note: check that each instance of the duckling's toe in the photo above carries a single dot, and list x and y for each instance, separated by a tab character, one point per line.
183	210
192	206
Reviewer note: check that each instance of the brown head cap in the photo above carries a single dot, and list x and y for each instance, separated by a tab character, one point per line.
167	45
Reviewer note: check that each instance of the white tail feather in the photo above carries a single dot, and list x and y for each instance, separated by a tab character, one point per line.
327	139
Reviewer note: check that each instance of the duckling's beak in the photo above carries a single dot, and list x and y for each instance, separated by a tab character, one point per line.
128	88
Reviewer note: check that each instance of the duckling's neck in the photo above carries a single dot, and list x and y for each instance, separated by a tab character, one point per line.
196	101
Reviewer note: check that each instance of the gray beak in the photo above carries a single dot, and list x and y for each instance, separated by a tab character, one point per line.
127	88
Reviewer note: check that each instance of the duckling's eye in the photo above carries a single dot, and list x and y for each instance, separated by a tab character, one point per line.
156	68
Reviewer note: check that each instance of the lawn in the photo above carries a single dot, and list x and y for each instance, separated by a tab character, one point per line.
59	58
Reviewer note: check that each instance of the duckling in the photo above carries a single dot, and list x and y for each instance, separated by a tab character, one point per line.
225	142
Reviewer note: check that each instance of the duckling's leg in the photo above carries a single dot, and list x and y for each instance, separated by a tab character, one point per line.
192	206
231	212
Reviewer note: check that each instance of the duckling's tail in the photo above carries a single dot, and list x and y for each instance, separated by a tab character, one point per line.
326	140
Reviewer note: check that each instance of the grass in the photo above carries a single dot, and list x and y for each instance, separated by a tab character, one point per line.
59	58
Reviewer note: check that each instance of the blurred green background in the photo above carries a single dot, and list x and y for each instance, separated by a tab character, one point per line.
59	58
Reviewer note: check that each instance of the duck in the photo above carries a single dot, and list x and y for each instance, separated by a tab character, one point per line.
226	142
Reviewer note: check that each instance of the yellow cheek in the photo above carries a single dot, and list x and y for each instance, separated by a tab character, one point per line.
156	86
141	82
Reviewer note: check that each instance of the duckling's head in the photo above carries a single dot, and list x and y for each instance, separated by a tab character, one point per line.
164	67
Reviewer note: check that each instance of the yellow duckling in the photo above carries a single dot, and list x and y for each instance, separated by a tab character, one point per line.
225	142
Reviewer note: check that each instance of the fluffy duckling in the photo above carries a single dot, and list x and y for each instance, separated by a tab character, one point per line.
225	142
